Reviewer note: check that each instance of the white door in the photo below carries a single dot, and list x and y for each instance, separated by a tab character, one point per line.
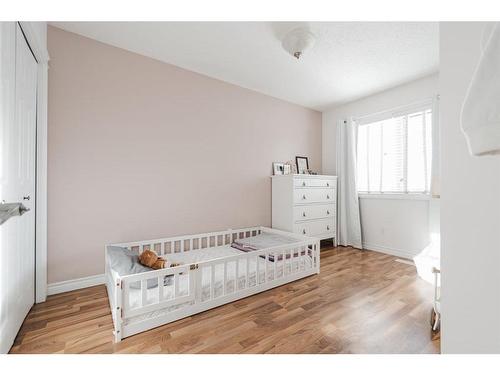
17	182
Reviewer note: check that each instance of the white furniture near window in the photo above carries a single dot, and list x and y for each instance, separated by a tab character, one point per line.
305	204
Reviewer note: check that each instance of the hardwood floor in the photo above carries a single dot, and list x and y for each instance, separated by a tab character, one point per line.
361	302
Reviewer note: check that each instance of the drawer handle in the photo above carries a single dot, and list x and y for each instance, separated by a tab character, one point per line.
328	184
327	196
327	227
304	196
303	231
304	183
303	214
327	212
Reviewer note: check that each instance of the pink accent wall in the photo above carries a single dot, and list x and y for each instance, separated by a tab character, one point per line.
142	149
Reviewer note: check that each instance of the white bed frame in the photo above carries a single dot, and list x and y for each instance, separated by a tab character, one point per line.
119	286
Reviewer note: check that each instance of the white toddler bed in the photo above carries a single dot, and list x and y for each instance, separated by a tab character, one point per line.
212	273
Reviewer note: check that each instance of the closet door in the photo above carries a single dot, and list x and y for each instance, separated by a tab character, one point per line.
17	178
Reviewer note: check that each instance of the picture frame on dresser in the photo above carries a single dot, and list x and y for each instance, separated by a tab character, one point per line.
278	168
302	164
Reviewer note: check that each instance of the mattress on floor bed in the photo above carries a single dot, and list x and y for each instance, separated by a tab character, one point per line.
232	283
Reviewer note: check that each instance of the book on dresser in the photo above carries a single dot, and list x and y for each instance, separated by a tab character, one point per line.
305	204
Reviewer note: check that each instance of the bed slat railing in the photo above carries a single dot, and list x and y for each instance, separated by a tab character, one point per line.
283	263
275	267
126	294
257	270
176	285
212	281
299	260
265	266
288	268
236	275
267	262
247	272
203	241
157	300
224	285
161	288
144	292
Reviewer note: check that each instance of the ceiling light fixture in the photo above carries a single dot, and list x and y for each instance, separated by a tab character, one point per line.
297	41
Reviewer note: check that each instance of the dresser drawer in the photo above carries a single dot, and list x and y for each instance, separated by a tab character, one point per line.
313	182
315	228
323	211
318	195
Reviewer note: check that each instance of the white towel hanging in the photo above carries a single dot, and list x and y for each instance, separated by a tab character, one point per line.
480	119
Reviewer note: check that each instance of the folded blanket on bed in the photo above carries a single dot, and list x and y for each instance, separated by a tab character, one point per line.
264	241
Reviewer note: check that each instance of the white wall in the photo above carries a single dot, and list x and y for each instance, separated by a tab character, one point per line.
395	226
142	149
470	209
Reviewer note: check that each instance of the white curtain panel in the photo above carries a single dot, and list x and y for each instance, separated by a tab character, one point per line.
349	223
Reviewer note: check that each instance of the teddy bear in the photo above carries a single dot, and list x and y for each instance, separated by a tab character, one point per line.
150	259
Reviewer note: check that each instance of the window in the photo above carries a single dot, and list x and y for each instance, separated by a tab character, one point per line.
394	152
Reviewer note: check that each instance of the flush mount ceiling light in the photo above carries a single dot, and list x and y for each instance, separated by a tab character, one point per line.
297	41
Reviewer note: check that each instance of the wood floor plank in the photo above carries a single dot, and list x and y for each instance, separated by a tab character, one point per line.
361	302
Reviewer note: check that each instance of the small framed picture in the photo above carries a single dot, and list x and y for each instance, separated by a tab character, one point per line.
302	164
278	168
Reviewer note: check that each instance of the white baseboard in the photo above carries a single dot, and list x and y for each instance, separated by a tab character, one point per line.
389	250
69	285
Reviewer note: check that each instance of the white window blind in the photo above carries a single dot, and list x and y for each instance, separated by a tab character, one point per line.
394	152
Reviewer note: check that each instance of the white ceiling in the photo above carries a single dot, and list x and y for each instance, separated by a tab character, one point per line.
349	60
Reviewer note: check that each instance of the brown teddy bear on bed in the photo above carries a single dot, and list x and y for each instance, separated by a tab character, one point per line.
150	259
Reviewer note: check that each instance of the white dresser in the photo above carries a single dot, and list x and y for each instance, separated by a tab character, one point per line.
305	204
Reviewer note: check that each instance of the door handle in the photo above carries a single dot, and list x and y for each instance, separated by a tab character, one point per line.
26	198
8	210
